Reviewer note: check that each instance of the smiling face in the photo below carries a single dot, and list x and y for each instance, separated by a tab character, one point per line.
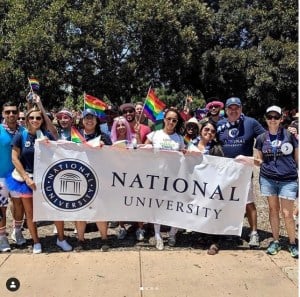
170	122
10	115
121	130
34	120
129	114
89	123
65	121
233	112
273	119
208	132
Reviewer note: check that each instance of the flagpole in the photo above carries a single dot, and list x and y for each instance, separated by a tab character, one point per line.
83	100
144	104
31	90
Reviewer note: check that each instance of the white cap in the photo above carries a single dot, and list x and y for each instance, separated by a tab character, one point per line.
275	109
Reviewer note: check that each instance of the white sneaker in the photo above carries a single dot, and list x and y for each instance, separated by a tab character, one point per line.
4	245
64	245
254	240
75	230
140	234
37	248
17	237
159	244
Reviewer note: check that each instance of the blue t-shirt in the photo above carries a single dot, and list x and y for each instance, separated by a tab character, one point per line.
5	151
278	155
238	138
27	148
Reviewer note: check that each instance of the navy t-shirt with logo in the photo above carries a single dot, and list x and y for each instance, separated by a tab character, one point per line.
27	148
238	138
278	155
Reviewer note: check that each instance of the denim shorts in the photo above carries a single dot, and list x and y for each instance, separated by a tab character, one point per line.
282	189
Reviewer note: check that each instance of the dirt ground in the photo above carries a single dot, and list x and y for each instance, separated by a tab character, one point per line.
185	240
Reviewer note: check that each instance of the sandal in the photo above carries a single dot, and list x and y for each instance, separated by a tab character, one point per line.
213	249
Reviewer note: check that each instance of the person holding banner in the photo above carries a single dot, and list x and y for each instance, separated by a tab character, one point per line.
21	180
237	134
167	138
277	156
90	129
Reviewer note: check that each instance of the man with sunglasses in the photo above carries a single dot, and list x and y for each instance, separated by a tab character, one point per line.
128	111
8	129
214	111
237	134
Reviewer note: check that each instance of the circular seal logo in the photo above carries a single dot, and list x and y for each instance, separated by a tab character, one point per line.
233	132
286	148
69	185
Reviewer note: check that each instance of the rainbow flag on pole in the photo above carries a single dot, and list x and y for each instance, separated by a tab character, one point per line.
95	104
34	84
76	136
153	106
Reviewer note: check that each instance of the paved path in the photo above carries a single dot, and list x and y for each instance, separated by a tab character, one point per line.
188	273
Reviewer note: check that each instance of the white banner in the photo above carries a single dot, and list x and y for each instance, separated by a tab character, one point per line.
78	182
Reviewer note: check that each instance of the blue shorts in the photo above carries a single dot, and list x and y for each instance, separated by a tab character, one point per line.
282	189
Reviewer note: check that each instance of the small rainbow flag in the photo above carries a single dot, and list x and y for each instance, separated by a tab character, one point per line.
153	106
34	84
186	139
76	136
95	104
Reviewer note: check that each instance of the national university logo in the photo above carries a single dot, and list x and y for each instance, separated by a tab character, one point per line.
69	185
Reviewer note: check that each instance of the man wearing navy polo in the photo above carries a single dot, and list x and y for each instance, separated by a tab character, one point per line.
237	134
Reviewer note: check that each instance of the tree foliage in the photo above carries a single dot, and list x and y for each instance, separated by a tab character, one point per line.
117	49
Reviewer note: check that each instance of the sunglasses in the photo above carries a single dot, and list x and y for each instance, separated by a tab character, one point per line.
21	119
214	106
128	111
13	111
191	127
172	120
35	118
212	131
275	117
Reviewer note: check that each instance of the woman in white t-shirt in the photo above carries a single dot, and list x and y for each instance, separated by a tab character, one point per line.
167	138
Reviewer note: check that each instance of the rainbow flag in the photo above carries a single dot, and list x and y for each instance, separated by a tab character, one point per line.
153	106
76	136
34	84
95	104
186	139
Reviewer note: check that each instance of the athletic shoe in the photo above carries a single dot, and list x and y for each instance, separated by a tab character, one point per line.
105	246
140	234
273	248
37	248
4	245
64	245
121	233
81	245
17	237
254	240
159	244
293	248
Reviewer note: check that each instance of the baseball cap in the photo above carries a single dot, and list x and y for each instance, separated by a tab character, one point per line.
89	112
233	101
127	106
275	109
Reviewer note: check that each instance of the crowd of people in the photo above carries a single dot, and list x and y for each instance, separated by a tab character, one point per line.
221	130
